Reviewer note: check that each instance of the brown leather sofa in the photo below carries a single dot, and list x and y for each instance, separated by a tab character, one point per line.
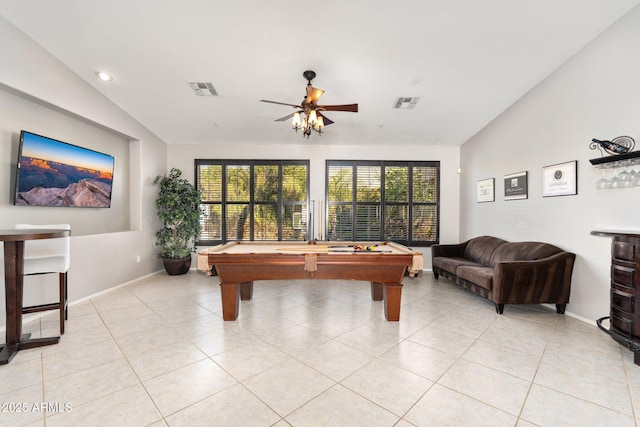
507	272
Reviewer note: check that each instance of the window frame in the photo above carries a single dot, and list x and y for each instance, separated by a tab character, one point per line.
382	204
280	203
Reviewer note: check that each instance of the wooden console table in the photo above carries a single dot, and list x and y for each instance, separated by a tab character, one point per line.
624	316
13	281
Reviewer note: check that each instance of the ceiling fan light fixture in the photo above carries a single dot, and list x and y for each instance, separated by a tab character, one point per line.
308	116
319	126
296	122
313	118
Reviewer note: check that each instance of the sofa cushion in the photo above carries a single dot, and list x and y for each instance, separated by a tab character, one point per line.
480	275
480	249
522	251
451	264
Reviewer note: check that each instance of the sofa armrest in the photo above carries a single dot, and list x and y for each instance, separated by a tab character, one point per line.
449	251
546	280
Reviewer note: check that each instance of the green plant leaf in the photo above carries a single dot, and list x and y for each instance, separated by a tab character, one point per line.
178	207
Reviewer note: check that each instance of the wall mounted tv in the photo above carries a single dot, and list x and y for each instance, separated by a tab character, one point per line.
55	173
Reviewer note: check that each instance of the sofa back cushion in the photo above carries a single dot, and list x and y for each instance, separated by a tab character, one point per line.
480	249
522	251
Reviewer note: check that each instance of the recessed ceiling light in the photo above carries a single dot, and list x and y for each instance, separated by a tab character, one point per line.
104	76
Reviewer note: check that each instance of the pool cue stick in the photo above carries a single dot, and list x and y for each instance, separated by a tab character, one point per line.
327	249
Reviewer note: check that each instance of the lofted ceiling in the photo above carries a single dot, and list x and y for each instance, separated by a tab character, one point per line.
467	61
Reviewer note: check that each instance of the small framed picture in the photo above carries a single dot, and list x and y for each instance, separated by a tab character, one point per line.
515	186
560	179
486	190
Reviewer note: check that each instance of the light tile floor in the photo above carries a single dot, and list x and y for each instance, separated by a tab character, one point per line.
316	353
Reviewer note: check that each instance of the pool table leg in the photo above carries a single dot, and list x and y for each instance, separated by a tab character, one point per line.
230	300
246	291
377	294
392	297
231	294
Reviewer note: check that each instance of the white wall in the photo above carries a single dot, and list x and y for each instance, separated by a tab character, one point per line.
182	156
19	113
594	95
38	90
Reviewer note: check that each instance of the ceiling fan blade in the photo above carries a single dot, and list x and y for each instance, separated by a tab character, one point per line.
327	121
353	108
287	117
280	103
313	94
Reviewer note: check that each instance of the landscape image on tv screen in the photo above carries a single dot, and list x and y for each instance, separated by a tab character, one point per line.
55	173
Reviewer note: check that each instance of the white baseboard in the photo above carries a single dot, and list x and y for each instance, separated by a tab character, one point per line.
570	314
37	316
106	291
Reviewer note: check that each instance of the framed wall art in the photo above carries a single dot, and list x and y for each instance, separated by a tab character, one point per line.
486	190
560	179
515	186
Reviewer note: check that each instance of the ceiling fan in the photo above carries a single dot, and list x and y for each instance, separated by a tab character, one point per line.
313	114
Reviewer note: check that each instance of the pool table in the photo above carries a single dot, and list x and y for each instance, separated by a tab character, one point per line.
239	264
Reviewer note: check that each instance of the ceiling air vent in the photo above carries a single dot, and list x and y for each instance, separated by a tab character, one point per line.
203	88
406	103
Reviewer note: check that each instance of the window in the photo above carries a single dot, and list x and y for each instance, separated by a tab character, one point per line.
253	200
380	200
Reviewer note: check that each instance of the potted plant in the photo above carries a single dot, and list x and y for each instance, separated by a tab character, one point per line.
178	208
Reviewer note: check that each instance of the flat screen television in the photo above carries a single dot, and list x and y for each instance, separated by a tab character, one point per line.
56	173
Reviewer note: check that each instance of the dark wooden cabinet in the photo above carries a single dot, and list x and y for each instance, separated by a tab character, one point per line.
624	315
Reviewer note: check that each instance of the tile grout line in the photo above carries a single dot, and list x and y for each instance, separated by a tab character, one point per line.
532	382
129	362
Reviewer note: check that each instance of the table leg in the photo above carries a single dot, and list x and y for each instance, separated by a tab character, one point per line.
246	291
377	293
7	353
13	277
13	285
230	300
13	264
392	299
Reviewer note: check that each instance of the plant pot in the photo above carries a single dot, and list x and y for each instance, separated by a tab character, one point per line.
176	266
